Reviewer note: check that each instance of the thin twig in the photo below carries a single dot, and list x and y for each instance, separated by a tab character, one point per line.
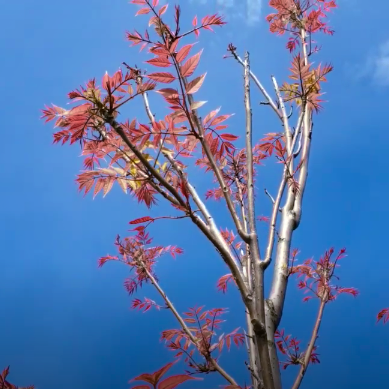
269	100
288	134
308	352
271	198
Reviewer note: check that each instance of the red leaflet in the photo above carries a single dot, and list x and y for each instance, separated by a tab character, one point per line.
103	179
168	93
229	137
163	9
50	113
210	116
160	50
383	314
99	185
143	219
175	380
173	46
143	11
174	250
351	291
223	281
183	52
194	85
237	338
146	305
292	43
145	87
165	78
188	68
162	62
167	383
107	258
154	377
219	119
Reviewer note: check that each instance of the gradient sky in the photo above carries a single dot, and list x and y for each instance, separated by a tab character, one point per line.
66	323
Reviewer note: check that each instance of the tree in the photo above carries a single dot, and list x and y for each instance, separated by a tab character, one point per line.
151	161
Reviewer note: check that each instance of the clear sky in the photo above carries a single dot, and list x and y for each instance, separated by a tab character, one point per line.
66	323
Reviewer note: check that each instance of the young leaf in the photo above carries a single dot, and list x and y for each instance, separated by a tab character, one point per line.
173	381
143	11
163	77
383	315
154	378
190	65
197	105
161	62
229	137
183	52
143	219
163	10
195	84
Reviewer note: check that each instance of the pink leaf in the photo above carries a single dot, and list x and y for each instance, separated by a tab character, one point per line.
195	84
163	77
143	11
163	10
190	65
229	137
143	219
173	381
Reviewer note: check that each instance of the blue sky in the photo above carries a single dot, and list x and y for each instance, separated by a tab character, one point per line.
67	323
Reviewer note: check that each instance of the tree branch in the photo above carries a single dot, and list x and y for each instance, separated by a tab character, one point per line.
269	100
291	215
273	222
311	345
285	122
306	137
127	158
290	218
211	159
119	130
208	227
281	189
212	361
258	320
